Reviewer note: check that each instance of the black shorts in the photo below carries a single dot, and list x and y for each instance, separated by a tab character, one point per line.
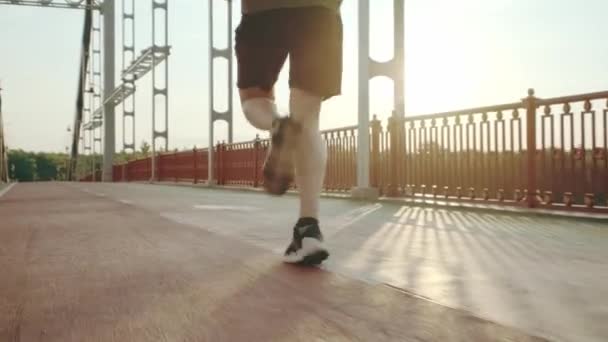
310	36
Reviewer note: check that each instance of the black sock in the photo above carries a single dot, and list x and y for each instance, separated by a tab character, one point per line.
307	221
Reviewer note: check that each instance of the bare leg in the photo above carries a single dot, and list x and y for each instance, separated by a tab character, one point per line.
309	157
310	154
259	107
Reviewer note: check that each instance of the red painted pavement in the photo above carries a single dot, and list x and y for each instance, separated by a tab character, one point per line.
79	267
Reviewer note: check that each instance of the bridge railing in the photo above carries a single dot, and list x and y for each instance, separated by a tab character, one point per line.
241	163
483	154
468	154
478	155
572	155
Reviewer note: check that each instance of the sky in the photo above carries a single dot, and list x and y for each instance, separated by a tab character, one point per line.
458	54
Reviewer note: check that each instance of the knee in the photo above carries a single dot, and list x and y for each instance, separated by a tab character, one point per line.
305	107
260	112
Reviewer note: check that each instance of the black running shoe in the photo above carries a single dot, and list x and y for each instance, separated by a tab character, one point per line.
278	167
306	248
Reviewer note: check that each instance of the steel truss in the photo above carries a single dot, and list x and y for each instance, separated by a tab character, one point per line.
69	4
101	113
95	92
215	115
368	69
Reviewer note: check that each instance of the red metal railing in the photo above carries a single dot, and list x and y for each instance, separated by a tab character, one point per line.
572	163
341	145
483	154
240	163
479	154
456	155
139	170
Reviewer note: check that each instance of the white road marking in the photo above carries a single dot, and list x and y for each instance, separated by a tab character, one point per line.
125	201
225	207
5	190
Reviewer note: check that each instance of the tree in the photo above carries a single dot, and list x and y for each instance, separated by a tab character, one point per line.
22	166
46	167
145	148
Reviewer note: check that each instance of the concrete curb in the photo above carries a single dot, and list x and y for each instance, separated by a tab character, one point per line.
425	203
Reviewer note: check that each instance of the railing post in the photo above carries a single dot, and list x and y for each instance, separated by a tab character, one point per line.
158	165
128	171
375	157
194	166
395	127
530	103
223	163
175	167
218	164
256	160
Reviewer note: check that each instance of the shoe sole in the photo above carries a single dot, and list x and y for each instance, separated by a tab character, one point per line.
311	253
314	259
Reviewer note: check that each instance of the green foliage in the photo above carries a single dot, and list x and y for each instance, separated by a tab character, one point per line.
30	166
21	166
42	166
145	148
46	167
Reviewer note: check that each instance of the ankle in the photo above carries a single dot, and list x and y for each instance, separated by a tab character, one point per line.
307	221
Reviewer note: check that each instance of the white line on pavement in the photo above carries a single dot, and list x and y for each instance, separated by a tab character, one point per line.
5	190
224	207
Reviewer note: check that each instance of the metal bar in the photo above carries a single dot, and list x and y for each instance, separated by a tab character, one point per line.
458	138
4	175
353	158
153	145
230	88
496	108
109	62
128	55
411	153
486	170
210	153
94	5
92	80
346	128
605	154
433	143
397	63
166	61
149	58
471	139
156	59
499	148
363	98
84	60
448	149
574	98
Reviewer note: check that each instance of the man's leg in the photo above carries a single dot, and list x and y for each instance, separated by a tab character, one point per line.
259	107
310	153
260	58
309	158
261	53
315	75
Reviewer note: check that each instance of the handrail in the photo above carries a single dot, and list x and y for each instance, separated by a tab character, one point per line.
515	105
339	129
574	98
495	108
